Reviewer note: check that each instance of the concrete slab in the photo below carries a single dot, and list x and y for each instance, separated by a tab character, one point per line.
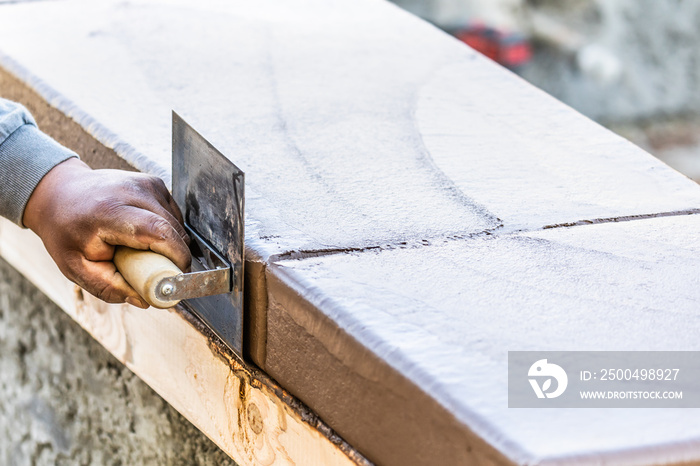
363	129
445	316
356	123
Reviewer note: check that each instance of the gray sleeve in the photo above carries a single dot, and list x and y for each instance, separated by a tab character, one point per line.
26	155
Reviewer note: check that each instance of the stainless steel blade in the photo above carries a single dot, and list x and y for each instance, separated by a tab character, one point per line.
209	189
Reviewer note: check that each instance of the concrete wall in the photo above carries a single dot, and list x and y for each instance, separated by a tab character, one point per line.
67	401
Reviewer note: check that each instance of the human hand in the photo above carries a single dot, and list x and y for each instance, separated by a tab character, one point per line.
81	214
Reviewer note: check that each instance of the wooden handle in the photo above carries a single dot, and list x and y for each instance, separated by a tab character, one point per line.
143	270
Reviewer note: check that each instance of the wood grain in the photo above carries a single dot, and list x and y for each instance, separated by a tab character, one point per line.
248	416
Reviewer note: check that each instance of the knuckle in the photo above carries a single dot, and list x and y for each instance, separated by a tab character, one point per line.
135	183
108	293
150	183
136	188
107	207
146	188
160	228
159	183
109	296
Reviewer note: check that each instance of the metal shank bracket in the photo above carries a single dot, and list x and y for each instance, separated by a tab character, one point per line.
210	275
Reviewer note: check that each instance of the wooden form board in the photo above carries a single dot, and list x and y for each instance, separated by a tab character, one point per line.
248	416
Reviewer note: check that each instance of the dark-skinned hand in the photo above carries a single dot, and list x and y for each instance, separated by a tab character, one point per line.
81	214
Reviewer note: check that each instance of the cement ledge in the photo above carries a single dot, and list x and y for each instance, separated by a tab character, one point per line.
402	165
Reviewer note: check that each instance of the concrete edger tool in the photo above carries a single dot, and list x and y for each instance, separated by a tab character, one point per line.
209	189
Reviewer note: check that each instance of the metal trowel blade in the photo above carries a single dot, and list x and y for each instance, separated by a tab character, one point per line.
209	189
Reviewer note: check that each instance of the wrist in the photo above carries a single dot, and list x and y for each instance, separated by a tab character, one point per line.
45	199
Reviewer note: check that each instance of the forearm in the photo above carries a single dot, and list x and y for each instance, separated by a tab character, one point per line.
26	156
82	214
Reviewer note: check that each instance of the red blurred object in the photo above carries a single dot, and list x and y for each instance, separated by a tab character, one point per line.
509	49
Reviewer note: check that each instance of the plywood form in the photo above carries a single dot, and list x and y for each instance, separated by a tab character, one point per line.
246	414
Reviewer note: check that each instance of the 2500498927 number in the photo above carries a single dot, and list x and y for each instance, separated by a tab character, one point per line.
639	374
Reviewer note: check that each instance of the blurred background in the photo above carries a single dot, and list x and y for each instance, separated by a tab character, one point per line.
631	65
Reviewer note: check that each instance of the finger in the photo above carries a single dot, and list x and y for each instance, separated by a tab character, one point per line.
165	212
161	205
143	229
102	280
176	210
168	198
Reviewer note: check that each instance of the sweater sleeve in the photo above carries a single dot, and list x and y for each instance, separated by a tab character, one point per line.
26	156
